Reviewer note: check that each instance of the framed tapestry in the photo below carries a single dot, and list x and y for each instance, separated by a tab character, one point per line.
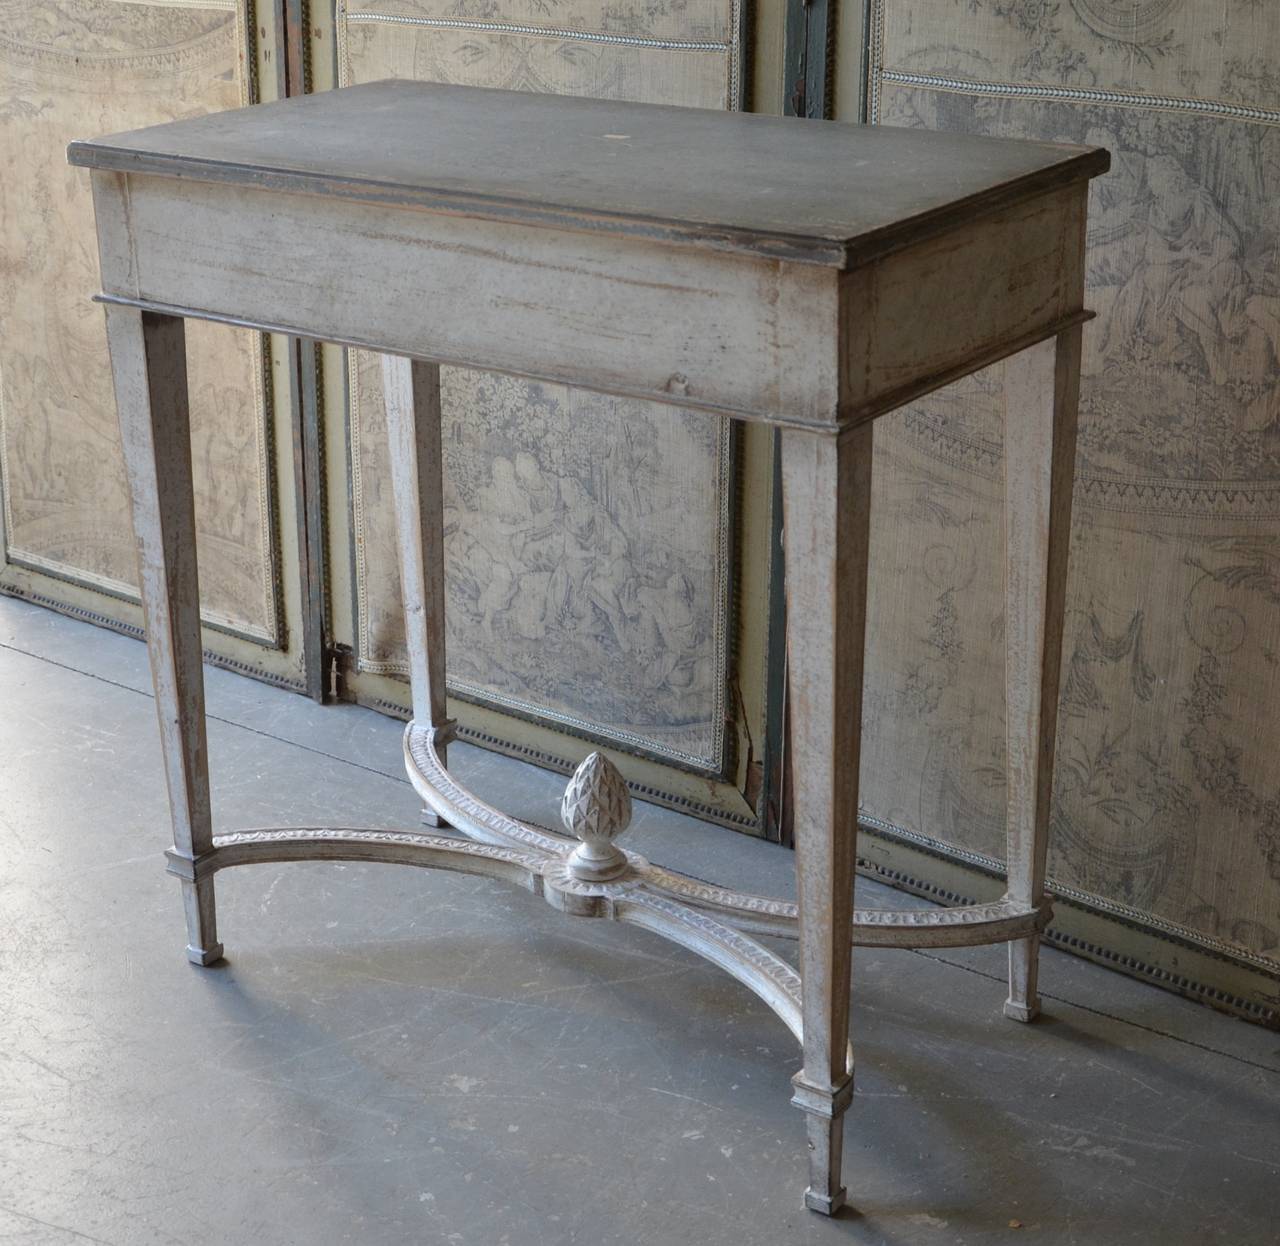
87	67
593	543
1166	830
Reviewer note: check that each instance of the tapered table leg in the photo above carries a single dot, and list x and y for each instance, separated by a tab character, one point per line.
826	484
1041	393
148	362
412	390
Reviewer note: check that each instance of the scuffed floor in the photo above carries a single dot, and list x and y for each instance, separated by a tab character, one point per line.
392	1056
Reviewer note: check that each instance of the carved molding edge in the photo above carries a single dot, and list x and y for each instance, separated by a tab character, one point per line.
758	969
458	807
964	925
591	877
626	899
961	926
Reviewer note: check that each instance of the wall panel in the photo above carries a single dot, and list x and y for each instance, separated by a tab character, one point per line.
78	68
1167	807
590	540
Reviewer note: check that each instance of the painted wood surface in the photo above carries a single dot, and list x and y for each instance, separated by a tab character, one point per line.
731	333
906	330
1040	457
149	369
412	390
771	186
826	494
606	307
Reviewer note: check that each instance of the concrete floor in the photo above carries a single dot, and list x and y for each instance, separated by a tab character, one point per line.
394	1056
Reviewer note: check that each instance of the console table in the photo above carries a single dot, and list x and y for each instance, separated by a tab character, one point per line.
812	275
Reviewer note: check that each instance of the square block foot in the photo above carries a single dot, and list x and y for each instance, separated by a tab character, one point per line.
823	1204
1021	1012
433	821
204	956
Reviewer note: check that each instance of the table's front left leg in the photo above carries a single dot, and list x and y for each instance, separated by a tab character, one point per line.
826	489
148	364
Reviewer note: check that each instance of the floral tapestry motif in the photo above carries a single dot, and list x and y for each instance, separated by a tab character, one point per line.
1168	793
73	70
587	537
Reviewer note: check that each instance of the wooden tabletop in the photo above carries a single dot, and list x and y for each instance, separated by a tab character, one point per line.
822	191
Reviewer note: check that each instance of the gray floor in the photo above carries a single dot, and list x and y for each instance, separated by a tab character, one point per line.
392	1056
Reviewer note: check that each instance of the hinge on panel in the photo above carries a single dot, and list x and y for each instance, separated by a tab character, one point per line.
340	661
797	96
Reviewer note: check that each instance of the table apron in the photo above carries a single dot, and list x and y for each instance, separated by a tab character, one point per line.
741	335
734	333
950	304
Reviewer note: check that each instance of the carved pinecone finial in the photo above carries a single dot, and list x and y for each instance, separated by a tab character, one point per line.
596	808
